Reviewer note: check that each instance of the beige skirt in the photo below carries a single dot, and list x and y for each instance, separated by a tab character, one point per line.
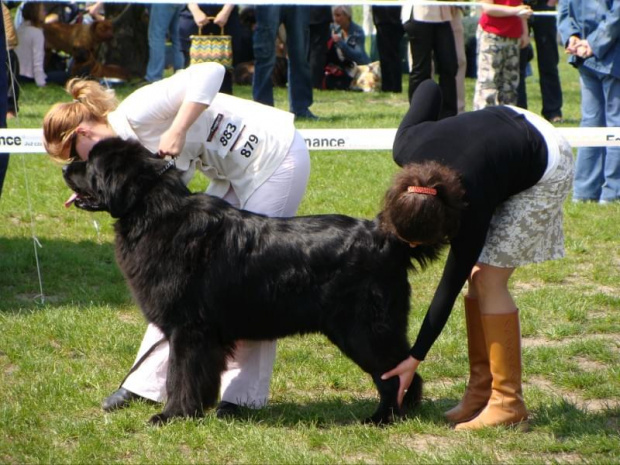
528	227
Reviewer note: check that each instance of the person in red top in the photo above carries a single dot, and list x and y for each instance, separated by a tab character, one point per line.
502	31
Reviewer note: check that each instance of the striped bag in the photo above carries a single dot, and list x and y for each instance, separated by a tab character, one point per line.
211	48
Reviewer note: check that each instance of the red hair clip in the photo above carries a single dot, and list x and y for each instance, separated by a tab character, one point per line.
422	190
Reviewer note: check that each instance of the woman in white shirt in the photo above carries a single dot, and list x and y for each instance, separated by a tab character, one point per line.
30	48
252	154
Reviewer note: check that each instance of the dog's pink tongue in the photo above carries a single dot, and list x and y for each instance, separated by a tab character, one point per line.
70	200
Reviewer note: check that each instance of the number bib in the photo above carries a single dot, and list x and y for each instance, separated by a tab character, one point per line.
224	133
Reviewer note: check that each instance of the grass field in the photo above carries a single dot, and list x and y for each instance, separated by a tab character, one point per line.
63	350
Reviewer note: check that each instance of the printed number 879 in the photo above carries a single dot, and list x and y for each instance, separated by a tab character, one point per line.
249	146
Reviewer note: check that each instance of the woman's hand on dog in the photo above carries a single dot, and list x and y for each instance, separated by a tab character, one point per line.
172	141
405	371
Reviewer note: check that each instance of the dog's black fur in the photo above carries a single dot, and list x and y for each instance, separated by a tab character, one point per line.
208	274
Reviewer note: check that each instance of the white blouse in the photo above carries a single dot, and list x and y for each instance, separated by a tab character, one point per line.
234	141
30	52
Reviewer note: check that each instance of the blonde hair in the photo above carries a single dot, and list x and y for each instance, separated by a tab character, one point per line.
91	102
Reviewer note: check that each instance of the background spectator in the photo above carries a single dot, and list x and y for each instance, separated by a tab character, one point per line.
224	19
12	63
319	25
247	19
30	49
546	37
389	36
430	38
590	31
502	32
345	48
4	157
295	19
163	20
348	37
458	30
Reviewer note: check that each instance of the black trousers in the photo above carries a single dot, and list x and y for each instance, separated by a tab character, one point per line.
389	35
430	41
317	52
547	55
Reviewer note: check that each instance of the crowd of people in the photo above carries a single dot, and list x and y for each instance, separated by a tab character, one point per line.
497	200
322	47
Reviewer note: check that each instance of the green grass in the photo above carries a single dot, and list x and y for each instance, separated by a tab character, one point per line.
59	357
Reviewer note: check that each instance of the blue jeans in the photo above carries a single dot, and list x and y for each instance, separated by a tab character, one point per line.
163	17
597	170
295	19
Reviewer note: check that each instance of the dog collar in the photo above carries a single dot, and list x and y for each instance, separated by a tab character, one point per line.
166	167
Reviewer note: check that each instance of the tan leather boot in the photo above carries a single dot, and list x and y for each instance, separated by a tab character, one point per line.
506	406
478	388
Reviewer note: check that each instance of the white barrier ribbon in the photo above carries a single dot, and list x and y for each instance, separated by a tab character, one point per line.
325	2
21	141
382	139
31	140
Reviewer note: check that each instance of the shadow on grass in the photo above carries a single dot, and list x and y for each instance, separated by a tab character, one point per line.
565	420
322	414
72	273
568	421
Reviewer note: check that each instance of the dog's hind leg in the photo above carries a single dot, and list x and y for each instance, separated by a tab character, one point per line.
195	364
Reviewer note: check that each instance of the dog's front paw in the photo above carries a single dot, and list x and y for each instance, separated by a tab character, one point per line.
159	419
380	418
413	396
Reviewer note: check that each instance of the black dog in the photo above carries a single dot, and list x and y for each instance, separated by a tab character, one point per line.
208	274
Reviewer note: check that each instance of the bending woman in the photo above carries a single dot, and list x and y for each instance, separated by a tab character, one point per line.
252	154
491	183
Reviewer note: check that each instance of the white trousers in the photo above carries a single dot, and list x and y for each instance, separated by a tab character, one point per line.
248	374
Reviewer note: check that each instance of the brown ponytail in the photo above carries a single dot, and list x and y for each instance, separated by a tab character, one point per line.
424	204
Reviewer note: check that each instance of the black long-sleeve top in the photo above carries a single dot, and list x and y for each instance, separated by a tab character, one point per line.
497	153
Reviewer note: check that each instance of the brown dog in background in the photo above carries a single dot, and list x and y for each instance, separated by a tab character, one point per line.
82	42
68	37
85	64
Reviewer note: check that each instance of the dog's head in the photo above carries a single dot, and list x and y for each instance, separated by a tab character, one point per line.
367	78
115	177
103	30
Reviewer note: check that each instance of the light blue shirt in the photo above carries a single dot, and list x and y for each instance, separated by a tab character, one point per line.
353	47
597	21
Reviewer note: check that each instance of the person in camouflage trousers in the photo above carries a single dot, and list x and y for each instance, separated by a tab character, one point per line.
502	31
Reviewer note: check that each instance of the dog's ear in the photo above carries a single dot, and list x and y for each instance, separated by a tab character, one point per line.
426	254
124	171
103	30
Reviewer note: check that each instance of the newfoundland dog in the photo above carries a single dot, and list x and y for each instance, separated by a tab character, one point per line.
208	274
